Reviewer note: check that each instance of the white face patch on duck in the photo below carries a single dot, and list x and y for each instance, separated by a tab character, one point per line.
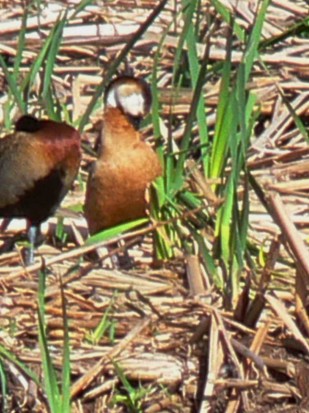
133	104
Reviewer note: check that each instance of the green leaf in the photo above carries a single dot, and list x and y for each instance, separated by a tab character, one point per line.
113	232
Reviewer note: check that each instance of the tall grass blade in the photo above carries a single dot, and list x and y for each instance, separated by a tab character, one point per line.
66	368
234	124
21	44
194	67
162	242
254	39
4	387
50	378
4	353
225	127
13	86
29	80
47	92
186	140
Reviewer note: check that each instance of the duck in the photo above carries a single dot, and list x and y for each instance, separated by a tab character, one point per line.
39	162
126	165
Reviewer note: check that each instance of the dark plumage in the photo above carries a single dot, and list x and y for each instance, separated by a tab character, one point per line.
38	164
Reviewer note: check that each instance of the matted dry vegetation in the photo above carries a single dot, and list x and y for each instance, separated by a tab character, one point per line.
171	330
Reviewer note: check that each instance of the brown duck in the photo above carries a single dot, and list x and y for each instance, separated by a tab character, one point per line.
126	165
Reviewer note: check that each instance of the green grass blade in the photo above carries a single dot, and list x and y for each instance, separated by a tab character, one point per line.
167	162
155	107
295	30
29	80
116	230
13	86
13	78
254	39
225	14
47	92
66	368
208	261
50	378
163	247
185	143
224	219
235	119
52	52
300	125
4	387
4	353
194	66
225	126
244	218
21	44
104	325
197	73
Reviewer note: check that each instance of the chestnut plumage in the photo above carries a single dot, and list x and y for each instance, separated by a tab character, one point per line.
38	164
126	165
